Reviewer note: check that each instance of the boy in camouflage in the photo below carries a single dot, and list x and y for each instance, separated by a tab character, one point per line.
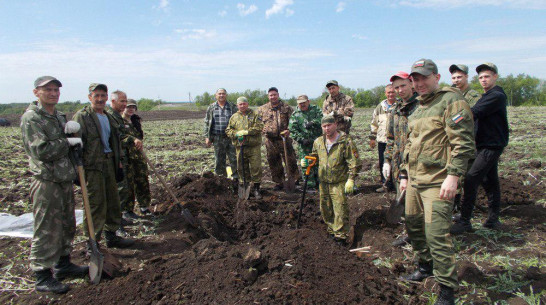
44	131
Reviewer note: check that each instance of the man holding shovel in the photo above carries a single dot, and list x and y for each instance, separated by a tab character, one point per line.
245	131
47	142
276	116
338	166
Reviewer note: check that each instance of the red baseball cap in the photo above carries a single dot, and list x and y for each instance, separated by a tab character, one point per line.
400	74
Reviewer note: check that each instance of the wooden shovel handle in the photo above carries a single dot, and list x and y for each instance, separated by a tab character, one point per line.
85	196
167	188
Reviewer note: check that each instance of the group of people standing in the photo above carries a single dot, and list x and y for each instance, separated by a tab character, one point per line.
112	157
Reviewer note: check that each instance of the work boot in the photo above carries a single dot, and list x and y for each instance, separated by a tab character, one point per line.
460	227
129	215
380	190
401	241
45	282
122	232
422	272
145	211
114	241
446	296
278	187
492	221
257	194
66	269
235	185
126	222
340	241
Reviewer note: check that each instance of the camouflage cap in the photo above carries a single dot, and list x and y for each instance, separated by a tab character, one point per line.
424	67
399	74
458	67
302	98
131	102
95	86
487	66
328	119
44	80
242	99
332	83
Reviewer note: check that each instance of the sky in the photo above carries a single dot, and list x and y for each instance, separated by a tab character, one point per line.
169	48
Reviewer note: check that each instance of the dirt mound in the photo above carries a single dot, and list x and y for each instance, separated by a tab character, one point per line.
248	252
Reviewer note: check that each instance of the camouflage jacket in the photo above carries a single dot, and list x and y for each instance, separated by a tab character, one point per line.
299	119
125	137
397	133
133	133
440	140
209	117
251	122
275	119
46	145
471	96
90	132
342	105
378	125
341	163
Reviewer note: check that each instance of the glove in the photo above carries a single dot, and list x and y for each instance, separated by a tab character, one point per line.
285	133
120	175
309	125
347	118
386	170
349	186
241	133
71	127
75	141
304	163
306	142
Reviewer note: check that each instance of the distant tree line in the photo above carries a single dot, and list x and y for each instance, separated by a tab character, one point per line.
522	90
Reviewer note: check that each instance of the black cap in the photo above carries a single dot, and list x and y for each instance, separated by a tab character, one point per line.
273	89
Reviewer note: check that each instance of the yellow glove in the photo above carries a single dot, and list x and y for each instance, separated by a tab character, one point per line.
241	133
349	186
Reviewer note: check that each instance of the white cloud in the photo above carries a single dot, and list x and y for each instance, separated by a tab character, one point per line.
449	4
222	13
340	7
163	5
244	11
498	44
196	34
360	37
279	7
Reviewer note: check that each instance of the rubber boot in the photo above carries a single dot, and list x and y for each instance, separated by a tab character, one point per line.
66	269
422	272
46	283
257	194
492	221
446	296
114	241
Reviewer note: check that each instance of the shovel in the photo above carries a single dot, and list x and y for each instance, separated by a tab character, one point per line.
185	212
289	183
244	190
96	260
395	211
307	172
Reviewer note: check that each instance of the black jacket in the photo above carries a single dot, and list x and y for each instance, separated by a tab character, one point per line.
491	119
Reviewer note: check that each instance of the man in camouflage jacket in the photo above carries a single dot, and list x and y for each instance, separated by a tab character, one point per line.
47	138
276	115
339	105
440	143
459	78
305	127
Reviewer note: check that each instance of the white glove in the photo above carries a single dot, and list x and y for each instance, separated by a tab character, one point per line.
347	118
386	170
74	141
71	127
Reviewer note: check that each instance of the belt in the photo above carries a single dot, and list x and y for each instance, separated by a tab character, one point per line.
109	155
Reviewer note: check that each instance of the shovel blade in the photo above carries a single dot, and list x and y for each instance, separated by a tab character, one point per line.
189	218
96	262
396	210
244	191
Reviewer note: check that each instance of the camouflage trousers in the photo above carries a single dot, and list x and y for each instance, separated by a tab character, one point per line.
275	159
135	185
303	151
54	222
428	219
253	163
103	199
222	147
334	208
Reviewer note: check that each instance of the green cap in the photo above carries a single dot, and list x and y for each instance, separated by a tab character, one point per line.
331	83
302	98
458	67
424	67
44	80
95	86
328	119
242	99
487	66
131	102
